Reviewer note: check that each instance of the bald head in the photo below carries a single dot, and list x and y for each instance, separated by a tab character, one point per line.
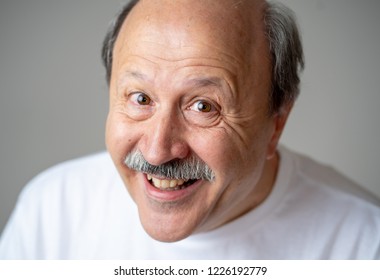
240	25
198	28
229	21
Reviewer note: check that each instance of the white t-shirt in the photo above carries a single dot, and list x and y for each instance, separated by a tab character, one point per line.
81	210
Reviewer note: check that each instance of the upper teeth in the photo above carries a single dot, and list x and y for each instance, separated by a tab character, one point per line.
165	183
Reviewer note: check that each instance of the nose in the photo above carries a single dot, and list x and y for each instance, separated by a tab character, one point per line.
163	139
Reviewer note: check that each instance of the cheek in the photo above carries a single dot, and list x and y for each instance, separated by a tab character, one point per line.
232	156
119	137
218	150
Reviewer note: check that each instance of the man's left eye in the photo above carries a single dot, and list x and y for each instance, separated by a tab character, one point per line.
142	98
202	106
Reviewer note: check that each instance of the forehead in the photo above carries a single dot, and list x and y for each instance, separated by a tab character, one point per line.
228	23
227	32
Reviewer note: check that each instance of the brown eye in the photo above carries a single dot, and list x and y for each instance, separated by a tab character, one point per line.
203	106
203	113
143	99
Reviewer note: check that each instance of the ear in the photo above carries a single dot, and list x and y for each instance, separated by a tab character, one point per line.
279	120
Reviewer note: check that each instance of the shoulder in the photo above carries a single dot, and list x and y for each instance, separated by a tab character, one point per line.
79	167
324	178
60	209
72	187
334	207
87	171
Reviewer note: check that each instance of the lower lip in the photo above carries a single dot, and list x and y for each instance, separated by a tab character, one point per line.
162	195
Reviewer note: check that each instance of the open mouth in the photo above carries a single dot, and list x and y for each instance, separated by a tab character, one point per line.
170	184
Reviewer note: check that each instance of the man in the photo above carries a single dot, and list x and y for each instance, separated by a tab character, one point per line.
200	92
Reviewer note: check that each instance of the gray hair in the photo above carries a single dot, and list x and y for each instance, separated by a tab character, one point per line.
284	43
188	168
287	54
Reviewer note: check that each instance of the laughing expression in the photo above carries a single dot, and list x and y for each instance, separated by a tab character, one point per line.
186	94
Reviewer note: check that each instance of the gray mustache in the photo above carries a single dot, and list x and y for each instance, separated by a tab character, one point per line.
186	169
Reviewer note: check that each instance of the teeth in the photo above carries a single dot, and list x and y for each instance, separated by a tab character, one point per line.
156	182
164	183
173	183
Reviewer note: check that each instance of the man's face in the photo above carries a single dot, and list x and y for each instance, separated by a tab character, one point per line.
191	79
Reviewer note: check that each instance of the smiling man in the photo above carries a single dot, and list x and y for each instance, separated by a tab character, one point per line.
200	92
185	94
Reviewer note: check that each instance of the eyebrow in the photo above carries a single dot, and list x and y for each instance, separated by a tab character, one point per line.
136	75
205	82
131	74
199	82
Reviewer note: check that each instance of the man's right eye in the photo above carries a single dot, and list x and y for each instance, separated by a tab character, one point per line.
139	106
141	98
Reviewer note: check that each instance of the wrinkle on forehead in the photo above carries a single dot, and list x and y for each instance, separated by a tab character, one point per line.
225	33
231	24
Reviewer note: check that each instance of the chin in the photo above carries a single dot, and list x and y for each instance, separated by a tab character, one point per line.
169	216
165	236
168	227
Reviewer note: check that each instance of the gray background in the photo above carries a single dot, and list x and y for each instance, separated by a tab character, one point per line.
53	97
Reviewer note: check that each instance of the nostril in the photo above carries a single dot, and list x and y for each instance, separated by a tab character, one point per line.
180	150
160	152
